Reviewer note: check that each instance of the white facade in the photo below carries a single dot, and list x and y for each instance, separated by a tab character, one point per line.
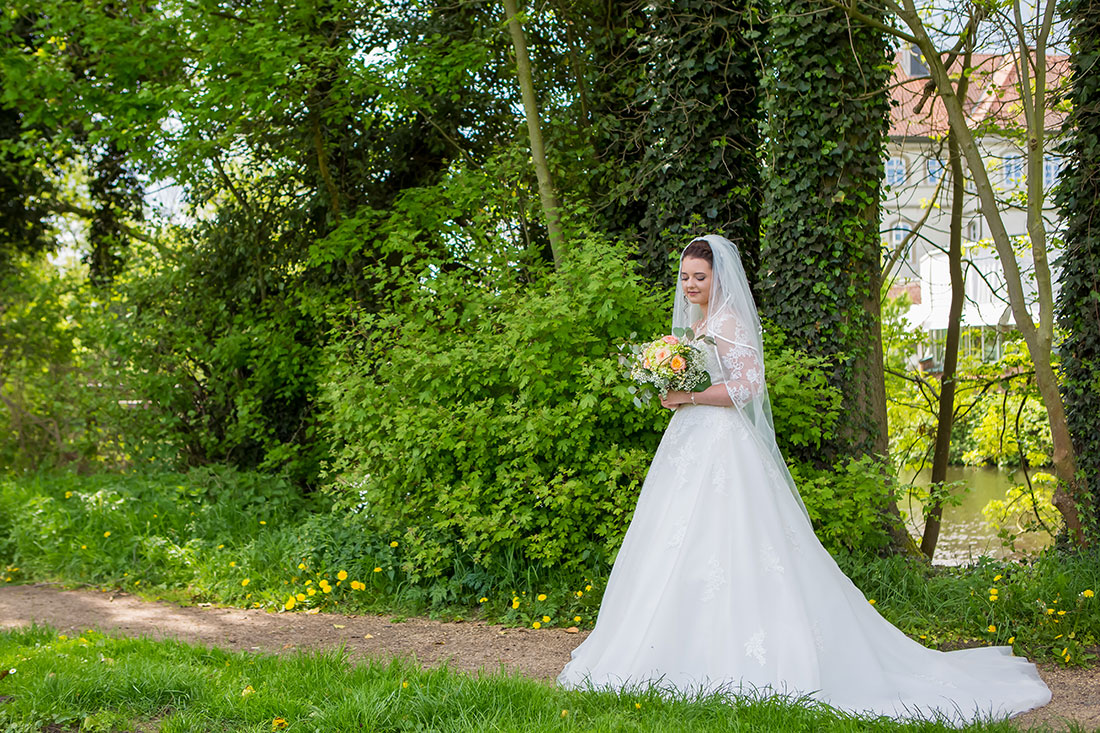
917	195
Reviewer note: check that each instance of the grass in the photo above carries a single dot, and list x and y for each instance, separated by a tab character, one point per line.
250	540
98	683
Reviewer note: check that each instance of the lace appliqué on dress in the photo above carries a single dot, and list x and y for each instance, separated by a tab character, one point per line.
755	648
679	531
714	580
769	560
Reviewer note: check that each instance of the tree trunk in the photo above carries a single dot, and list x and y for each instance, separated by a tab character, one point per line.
548	196
951	349
1039	339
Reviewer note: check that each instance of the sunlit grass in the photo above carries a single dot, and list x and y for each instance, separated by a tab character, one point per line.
99	683
251	541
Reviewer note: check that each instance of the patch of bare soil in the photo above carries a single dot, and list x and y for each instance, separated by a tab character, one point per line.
467	646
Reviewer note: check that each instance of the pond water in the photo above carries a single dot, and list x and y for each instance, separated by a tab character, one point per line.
964	534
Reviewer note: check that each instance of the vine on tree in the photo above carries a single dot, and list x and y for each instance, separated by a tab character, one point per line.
827	121
1078	304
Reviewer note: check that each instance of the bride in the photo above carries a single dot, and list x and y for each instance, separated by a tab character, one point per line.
721	584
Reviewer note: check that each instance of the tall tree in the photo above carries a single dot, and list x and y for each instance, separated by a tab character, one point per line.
675	102
827	120
548	195
1078	304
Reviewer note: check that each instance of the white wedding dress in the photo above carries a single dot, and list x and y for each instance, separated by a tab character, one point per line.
721	584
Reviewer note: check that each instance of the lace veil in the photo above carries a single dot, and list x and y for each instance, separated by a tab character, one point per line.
734	324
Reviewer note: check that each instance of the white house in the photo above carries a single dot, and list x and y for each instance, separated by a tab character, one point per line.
917	195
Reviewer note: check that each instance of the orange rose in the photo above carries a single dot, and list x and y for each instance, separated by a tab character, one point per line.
678	363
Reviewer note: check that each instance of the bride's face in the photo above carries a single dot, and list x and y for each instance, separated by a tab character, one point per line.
695	277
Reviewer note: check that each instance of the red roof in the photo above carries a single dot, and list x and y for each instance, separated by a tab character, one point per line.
993	97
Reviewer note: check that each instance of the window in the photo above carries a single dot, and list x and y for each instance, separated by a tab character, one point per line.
895	171
974	230
1013	168
917	67
935	171
900	231
1052	168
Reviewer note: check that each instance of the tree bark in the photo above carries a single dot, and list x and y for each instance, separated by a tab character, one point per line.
551	207
946	416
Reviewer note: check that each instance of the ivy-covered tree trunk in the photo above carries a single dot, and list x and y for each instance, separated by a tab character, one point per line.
828	117
1078	195
683	96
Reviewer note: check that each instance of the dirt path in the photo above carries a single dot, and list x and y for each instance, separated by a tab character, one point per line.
468	646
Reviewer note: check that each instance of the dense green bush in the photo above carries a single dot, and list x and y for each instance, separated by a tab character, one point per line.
51	396
485	419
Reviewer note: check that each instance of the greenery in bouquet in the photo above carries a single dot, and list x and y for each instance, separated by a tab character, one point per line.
673	362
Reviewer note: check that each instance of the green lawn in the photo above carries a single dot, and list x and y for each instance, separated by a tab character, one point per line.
98	683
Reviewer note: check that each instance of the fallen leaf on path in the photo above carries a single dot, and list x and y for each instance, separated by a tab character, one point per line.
339	626
572	630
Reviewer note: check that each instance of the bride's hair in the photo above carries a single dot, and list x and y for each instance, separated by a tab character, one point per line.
700	249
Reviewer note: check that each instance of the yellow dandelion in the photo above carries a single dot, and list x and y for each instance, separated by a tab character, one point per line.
546	619
872	601
576	618
404	685
301	566
220	546
68	494
482	599
309	582
992	629
378	570
245	582
588	587
290	603
637	706
393	544
342	575
107	533
993	598
247	691
311	591
1061	613
278	724
541	596
301	596
262	522
536	625
233	564
515	603
997	577
993	591
565	713
1012	640
326	588
580	593
83	547
1087	593
1065	651
1050	612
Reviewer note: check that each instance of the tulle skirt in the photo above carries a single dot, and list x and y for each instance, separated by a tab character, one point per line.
721	584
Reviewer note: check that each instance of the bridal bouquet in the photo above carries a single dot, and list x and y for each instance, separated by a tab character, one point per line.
672	362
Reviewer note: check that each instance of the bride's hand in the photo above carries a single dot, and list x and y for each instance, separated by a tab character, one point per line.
674	399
